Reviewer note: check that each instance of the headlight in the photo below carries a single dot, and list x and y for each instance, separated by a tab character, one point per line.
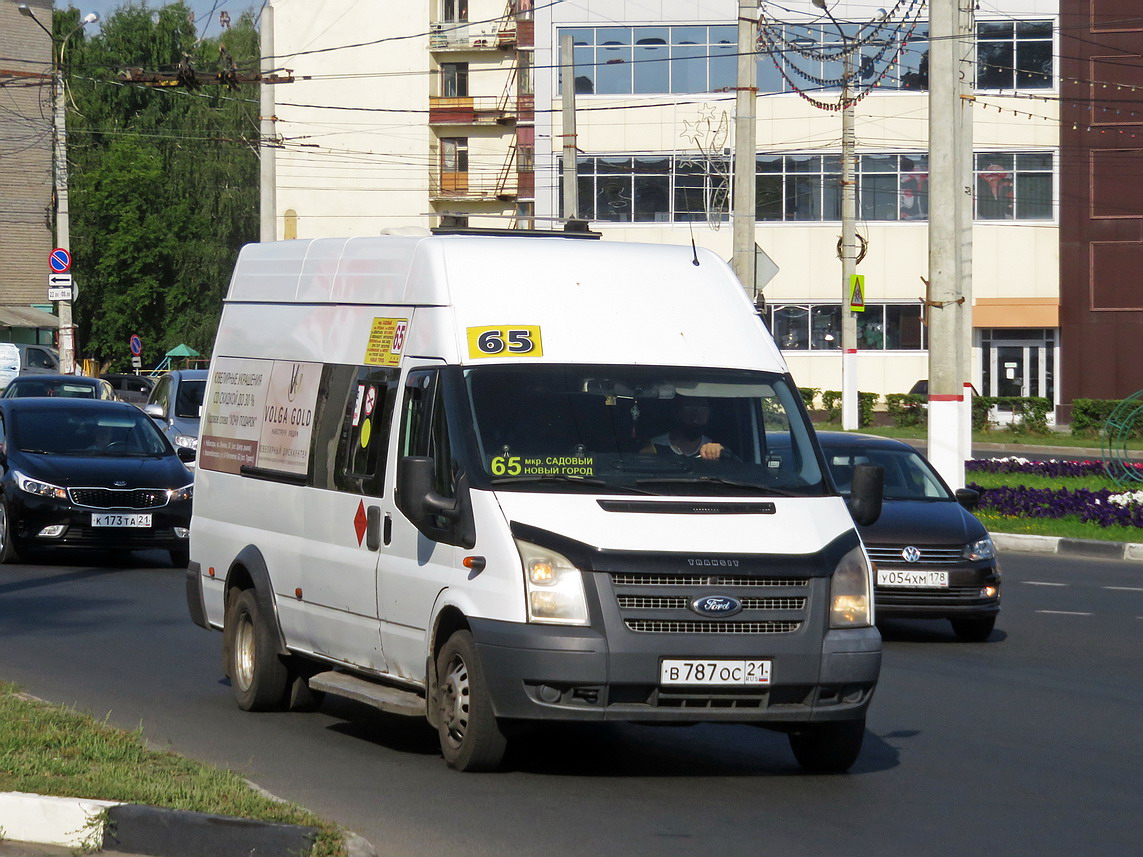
184	493
553	586
186	440
42	489
850	604
983	549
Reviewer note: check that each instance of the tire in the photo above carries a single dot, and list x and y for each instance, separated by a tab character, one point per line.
180	557
976	629
258	677
471	739
828	748
9	552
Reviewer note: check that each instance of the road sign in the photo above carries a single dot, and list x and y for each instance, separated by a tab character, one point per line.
59	281
136	362
59	261
136	344
60	294
857	293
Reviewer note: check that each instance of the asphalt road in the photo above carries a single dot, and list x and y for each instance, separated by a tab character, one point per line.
1025	745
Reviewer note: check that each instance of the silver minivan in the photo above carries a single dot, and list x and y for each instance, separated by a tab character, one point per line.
25	358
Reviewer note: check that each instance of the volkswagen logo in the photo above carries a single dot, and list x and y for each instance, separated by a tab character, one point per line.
911	554
716	605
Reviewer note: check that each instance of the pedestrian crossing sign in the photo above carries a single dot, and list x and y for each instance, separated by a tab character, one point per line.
857	293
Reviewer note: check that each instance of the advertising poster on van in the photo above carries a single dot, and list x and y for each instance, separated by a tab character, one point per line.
259	414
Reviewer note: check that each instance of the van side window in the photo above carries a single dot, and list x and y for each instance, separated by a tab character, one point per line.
39	359
365	432
424	429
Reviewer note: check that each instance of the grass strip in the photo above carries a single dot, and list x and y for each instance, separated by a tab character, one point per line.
54	750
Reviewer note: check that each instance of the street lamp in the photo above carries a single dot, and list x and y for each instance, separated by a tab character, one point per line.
849	409
59	163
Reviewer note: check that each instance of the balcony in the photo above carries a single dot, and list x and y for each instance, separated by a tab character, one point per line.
472	185
473	110
459	36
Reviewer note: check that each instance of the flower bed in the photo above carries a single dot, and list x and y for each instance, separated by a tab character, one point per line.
1105	507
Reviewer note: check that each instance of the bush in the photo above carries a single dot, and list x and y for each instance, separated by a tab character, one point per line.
1089	416
906	409
831	403
808	396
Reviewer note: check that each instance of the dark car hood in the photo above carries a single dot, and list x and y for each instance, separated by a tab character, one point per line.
136	472
912	522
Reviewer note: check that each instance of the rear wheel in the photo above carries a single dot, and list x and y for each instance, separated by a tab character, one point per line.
471	739
828	748
976	629
257	675
8	550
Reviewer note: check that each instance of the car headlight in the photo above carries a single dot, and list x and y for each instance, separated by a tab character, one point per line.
981	549
189	441
184	493
41	489
850	604
553	586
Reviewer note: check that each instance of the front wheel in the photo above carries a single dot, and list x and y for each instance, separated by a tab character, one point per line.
828	748
471	739
8	550
257	675
973	630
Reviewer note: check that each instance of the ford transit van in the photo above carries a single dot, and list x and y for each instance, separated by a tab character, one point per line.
502	482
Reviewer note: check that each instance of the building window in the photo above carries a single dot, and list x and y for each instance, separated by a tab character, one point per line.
1014	186
454	79
804	187
653	60
1014	55
455	11
817	327
454	154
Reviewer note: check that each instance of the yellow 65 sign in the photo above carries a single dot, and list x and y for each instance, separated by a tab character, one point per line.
505	340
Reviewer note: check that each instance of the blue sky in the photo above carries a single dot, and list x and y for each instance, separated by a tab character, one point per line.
206	11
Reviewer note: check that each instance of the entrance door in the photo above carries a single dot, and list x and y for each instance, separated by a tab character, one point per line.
1017	369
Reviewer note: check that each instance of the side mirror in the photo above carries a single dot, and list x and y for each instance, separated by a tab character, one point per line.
186	453
967	497
415	494
154	411
865	494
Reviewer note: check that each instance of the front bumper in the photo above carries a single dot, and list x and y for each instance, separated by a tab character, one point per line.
539	672
32	515
963	597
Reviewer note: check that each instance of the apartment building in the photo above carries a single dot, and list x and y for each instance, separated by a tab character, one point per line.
450	113
25	173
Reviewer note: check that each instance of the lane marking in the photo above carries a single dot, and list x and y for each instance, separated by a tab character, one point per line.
1043	583
1124	588
1064	612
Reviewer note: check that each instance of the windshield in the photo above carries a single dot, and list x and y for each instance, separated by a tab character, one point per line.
85	433
907	475
640	429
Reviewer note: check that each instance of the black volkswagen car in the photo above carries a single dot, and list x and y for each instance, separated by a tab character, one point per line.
86	473
933	558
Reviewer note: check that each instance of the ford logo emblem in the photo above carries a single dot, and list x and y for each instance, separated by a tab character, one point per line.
911	554
716	605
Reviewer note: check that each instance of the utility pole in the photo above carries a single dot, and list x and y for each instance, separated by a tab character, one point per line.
745	148
849	397
59	169
267	166
571	175
950	235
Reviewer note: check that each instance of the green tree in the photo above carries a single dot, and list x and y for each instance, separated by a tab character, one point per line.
164	180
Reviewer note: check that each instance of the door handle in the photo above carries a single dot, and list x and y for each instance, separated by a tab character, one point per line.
373	528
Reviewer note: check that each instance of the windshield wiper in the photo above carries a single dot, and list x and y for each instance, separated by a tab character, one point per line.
566	480
718	480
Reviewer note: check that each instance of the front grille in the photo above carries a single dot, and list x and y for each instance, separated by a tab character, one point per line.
627	579
650	602
119	498
657	626
885	555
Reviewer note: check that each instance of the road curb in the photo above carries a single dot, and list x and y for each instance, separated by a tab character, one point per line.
1070	547
92	825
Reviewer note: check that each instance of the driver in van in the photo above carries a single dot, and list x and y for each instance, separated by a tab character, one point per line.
686	437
